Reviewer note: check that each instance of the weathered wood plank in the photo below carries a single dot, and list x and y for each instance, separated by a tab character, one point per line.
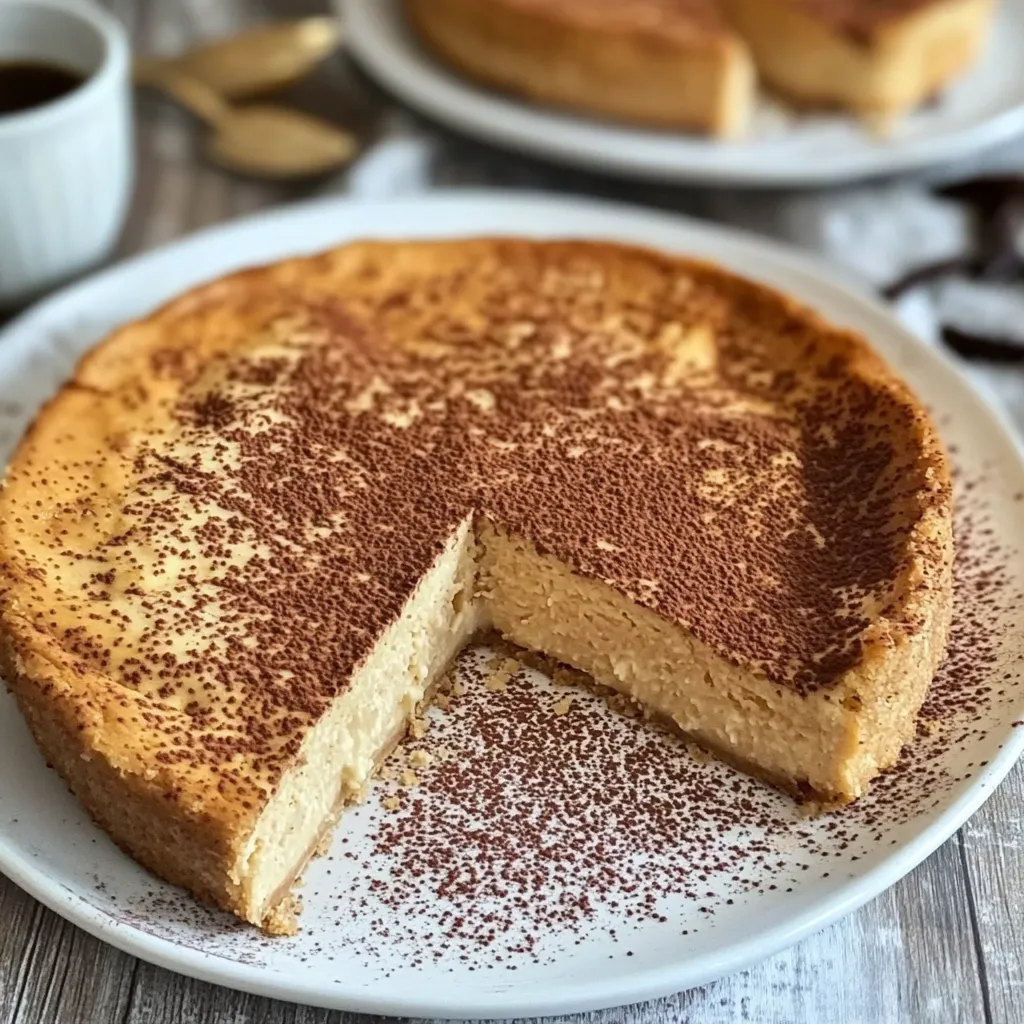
160	997
993	852
52	971
907	956
20	916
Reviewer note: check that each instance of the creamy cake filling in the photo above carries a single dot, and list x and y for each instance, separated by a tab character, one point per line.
342	751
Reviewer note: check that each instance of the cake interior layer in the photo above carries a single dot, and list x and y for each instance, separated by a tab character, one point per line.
827	743
341	753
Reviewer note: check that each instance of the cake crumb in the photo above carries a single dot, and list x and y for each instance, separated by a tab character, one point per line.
502	670
284	918
325	841
807	809
443	701
392	803
562	707
420	758
565	676
699	754
409	778
418	728
624	705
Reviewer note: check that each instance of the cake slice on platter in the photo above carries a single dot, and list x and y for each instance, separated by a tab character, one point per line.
690	63
877	58
665	63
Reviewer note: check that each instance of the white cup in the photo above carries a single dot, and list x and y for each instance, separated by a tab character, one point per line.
65	166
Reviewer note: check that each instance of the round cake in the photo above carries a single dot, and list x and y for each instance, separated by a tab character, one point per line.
691	63
241	547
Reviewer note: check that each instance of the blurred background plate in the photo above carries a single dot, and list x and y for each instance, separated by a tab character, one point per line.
783	149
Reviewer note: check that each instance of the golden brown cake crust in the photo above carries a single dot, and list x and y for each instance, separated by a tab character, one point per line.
878	59
689	19
662	18
863	19
207	531
670	63
690	63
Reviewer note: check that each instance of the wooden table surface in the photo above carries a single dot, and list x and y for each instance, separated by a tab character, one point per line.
944	945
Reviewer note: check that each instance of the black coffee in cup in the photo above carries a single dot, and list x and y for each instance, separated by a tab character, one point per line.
27	83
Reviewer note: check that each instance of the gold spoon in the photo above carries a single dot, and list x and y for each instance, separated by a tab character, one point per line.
262	140
254	62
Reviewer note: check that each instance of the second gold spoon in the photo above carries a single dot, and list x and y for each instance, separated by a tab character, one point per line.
262	140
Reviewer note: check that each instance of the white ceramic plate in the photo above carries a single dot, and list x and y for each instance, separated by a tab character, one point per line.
360	942
982	109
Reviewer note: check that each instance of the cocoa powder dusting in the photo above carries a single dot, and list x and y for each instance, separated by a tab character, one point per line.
539	828
692	439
